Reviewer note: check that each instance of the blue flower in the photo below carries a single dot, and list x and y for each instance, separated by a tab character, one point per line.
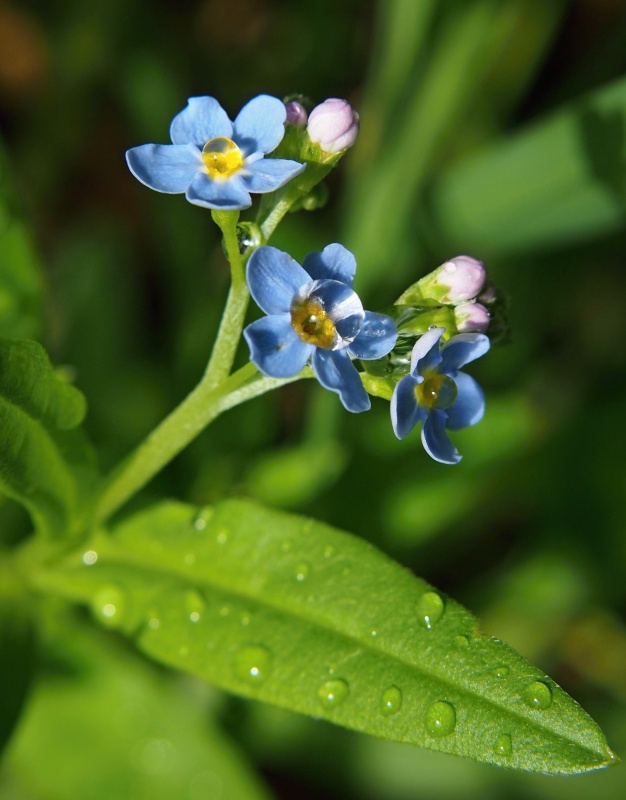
313	312
214	161
437	394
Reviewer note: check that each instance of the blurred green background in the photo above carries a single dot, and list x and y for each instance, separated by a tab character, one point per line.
491	127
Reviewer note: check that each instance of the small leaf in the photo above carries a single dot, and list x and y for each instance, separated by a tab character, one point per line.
292	612
44	464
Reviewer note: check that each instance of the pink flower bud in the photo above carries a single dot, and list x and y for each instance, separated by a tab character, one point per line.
471	317
464	276
296	113
333	125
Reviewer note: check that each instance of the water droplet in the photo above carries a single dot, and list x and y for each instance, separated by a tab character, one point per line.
537	695
90	557
194	605
503	746
391	700
440	718
329	551
430	609
201	518
333	693
245	620
461	641
373	634
450	267
302	571
222	536
109	606
252	664
500	672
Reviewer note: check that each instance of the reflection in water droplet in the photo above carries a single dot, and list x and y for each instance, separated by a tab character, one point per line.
201	518
252	664
332	693
194	605
430	609
440	718
537	695
109	605
222	536
302	571
503	746
500	672
329	551
90	557
391	700
461	641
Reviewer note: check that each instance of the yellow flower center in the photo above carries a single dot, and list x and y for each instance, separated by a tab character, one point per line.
310	322
222	158
436	391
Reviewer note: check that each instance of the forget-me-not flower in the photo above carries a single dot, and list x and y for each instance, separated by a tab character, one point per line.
314	313
215	162
437	394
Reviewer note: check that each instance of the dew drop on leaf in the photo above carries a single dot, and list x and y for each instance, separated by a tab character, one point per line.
440	719
537	695
90	557
201	519
500	672
222	536
430	609
461	641
391	701
302	572
503	746
194	605
109	606
252	664
329	551
333	693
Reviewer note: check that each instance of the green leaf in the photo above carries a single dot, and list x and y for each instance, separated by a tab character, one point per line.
45	462
20	280
104	726
561	180
292	612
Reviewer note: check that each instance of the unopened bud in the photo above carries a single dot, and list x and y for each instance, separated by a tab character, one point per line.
333	125
296	113
463	276
471	317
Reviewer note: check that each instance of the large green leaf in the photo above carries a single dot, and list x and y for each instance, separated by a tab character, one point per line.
102	725
292	612
45	462
561	180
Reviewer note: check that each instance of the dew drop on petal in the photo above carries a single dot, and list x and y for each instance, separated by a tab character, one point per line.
391	701
537	695
109	606
503	745
440	719
253	664
430	608
333	693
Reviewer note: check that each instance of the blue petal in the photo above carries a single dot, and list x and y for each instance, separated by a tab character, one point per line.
259	126
436	441
201	120
275	348
268	174
376	338
274	277
425	354
334	262
227	194
405	410
336	372
469	407
164	167
462	349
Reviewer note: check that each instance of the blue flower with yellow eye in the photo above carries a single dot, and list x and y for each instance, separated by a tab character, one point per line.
215	162
437	394
314	313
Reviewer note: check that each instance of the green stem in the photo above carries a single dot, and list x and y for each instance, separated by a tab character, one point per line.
178	429
229	333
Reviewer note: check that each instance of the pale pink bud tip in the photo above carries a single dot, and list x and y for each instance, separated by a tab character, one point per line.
333	125
471	317
464	276
296	113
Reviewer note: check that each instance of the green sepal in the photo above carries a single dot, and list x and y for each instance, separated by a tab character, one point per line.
46	463
292	612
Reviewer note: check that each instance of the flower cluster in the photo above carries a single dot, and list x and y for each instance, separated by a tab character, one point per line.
314	314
